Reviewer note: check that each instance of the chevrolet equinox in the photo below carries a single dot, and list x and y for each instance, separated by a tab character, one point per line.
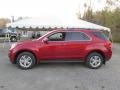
70	45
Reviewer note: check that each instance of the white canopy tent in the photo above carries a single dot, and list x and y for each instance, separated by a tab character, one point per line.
55	23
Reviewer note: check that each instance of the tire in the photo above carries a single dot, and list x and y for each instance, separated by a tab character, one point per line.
13	39
26	60
94	60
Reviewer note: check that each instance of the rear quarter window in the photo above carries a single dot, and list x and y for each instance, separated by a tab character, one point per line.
100	35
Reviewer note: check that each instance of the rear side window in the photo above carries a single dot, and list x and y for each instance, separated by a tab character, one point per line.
76	36
100	35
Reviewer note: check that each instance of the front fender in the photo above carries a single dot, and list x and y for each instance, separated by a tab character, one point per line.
32	48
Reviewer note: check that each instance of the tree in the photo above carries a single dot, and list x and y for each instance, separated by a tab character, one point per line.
3	22
88	15
112	2
109	16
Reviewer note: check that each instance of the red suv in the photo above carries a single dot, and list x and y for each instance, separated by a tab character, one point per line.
89	46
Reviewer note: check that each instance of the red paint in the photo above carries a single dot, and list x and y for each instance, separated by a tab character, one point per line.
53	50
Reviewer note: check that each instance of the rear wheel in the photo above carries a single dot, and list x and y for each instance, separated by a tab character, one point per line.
94	60
26	60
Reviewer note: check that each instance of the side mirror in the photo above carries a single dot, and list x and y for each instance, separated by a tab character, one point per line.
45	40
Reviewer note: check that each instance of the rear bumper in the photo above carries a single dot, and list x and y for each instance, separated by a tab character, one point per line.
108	55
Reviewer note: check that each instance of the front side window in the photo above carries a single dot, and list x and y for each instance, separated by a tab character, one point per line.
57	37
76	36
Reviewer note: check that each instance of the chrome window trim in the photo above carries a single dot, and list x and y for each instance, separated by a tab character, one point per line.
90	38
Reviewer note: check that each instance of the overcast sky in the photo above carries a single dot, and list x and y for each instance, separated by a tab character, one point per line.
37	8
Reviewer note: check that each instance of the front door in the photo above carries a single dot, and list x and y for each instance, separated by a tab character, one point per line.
54	48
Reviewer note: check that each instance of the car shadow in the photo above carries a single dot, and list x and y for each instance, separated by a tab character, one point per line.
60	64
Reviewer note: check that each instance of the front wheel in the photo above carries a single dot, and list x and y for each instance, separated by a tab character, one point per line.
94	60
26	60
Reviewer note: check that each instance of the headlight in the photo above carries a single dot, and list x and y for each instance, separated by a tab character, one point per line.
13	45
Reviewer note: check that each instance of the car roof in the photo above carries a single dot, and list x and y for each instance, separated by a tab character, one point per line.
75	30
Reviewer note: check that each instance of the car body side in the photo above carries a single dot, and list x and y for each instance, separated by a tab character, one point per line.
43	51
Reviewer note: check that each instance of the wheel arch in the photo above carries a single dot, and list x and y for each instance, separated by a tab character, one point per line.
97	51
26	51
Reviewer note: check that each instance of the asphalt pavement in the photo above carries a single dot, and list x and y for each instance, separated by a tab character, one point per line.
60	76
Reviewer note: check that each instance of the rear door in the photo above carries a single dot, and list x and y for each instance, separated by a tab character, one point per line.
75	44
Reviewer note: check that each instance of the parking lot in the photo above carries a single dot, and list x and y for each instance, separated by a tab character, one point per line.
60	76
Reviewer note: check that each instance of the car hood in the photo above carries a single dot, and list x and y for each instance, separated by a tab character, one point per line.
26	42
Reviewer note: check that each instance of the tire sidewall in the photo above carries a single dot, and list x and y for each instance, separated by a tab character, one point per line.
94	54
30	55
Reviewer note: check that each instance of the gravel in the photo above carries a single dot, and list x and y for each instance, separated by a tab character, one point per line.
60	76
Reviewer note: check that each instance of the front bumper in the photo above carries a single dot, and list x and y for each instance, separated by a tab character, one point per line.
11	56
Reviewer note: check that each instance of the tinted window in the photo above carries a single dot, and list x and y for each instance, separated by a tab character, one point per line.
57	37
74	36
100	35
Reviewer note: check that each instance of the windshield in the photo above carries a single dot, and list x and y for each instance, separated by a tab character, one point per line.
44	35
